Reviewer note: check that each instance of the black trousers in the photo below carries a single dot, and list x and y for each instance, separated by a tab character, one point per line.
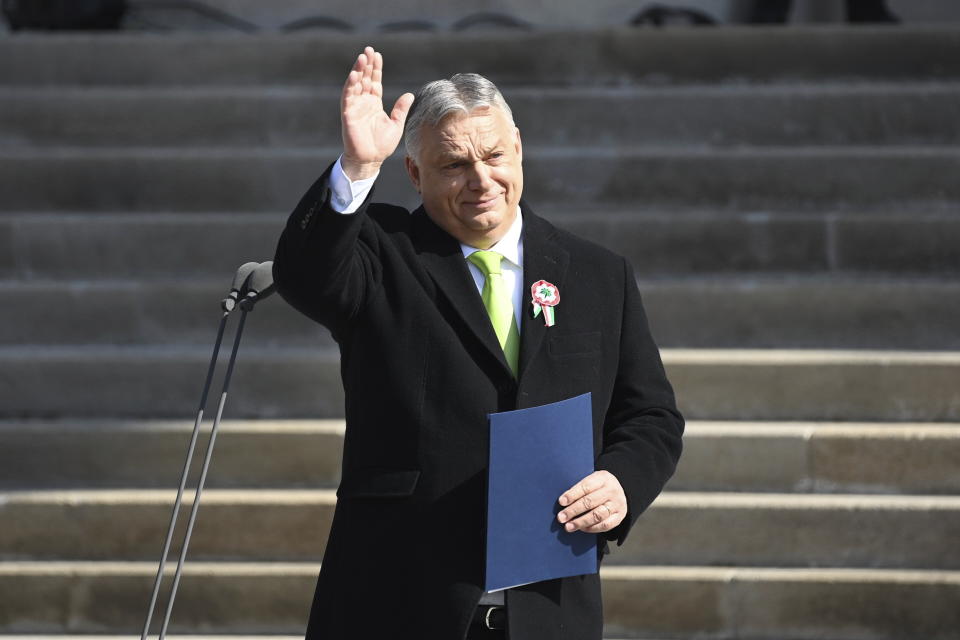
476	633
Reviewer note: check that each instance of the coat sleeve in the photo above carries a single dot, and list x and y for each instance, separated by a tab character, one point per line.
327	264
643	429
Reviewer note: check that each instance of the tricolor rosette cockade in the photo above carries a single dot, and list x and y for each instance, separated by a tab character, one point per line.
545	298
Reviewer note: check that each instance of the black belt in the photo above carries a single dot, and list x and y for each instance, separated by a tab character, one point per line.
490	616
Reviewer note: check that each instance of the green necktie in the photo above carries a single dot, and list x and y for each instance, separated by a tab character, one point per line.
499	305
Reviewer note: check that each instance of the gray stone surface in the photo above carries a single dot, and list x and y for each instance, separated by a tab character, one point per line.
614	57
701	115
112	597
297	382
802	312
659	243
815	385
783	530
725	529
130	453
541	14
743	456
250	180
849	605
639	601
167	382
144	313
888	244
824	312
873	458
886	460
144	246
870	458
806	604
231	525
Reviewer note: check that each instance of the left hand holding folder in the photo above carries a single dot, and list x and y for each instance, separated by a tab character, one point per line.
596	504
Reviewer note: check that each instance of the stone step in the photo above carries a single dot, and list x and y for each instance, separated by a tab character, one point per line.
271	382
151	453
912	242
699	115
446	16
781	530
100	636
819	457
141	312
718	456
248	179
802	604
274	598
812	312
744	312
785	384
617	56
172	636
728	529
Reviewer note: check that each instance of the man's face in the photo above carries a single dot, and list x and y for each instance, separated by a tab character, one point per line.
469	175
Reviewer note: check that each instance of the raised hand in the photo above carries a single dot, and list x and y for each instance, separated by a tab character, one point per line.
369	134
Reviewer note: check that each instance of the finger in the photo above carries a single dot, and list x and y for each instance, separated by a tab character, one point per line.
606	525
585	504
355	72
605	515
582	488
377	77
349	87
356	88
360	63
370	56
401	108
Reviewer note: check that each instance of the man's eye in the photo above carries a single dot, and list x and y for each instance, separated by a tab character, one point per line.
454	165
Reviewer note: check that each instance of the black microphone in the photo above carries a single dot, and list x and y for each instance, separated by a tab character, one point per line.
258	286
239	282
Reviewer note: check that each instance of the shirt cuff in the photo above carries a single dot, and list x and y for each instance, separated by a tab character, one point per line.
348	195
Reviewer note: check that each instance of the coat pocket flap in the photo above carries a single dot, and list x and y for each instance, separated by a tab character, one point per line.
379	482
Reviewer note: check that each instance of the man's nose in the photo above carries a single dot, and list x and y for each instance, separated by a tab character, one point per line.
480	177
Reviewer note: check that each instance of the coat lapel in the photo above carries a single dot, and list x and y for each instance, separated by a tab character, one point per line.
543	259
441	256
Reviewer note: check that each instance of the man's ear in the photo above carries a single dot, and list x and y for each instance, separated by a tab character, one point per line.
413	171
518	143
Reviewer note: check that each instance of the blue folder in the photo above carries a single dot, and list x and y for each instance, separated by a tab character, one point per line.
535	455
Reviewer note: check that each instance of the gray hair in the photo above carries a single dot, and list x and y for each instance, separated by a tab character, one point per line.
435	100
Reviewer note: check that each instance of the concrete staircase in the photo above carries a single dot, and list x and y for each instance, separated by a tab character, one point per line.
788	198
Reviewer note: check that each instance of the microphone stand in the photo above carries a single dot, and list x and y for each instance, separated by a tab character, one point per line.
253	281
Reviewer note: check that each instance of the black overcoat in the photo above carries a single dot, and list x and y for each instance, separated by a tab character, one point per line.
421	369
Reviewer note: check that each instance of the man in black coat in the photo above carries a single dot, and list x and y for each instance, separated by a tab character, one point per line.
433	339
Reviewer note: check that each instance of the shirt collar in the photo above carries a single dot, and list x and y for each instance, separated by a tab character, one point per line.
508	246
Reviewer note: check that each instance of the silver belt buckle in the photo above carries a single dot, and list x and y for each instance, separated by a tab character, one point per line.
486	618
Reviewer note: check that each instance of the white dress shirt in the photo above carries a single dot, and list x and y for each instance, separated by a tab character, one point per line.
348	195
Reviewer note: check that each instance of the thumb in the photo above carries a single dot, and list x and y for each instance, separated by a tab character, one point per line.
401	107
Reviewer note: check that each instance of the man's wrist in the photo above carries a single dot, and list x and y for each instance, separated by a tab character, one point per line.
359	170
347	195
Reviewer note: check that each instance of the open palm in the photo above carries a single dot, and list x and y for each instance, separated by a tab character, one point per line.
369	134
